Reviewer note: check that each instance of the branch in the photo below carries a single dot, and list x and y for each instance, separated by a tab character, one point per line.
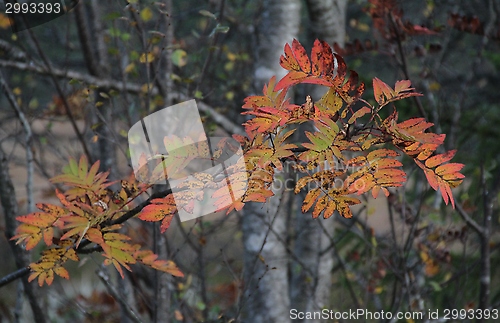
81	250
110	84
14	275
470	221
60	92
28	140
116	295
107	84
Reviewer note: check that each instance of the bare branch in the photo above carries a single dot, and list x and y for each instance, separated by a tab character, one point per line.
470	221
109	84
116	295
28	140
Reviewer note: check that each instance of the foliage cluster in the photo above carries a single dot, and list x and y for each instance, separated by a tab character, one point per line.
351	142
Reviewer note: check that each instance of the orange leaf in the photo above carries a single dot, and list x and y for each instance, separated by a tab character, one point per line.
310	198
440	159
382	91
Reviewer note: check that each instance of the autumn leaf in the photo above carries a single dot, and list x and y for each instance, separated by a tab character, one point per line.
442	176
376	172
384	94
51	262
329	201
162	209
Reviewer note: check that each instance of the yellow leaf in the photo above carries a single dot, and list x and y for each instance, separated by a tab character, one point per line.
146	14
17	91
146	58
145	88
4	21
130	67
230	95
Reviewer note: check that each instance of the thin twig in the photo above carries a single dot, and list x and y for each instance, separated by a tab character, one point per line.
470	221
61	94
116	295
28	141
404	65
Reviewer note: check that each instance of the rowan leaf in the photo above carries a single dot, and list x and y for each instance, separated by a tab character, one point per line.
381	91
384	94
375	172
148	258
52	261
310	199
440	159
300	54
443	177
159	210
288	61
328	69
38	225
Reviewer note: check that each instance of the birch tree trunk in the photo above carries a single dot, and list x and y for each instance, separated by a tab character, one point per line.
21	256
265	225
310	289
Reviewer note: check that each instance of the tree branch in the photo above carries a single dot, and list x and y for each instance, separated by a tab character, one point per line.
81	248
110	84
470	221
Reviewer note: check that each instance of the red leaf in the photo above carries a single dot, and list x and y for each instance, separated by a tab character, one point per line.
301	55
317	58
292	78
288	61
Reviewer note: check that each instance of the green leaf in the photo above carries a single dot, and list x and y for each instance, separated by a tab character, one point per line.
179	58
207	13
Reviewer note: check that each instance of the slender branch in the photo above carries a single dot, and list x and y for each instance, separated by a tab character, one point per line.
105	84
61	94
116	295
110	84
404	65
28	140
470	221
14	276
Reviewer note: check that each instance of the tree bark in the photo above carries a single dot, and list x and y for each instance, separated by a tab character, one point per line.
266	261
328	20
265	226
310	289
9	204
